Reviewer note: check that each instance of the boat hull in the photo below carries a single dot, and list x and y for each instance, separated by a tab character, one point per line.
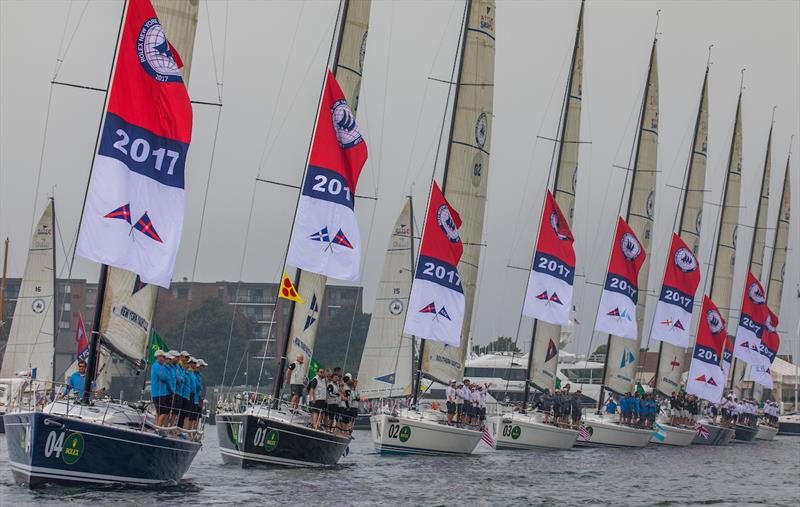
745	433
673	435
717	435
789	426
766	432
46	449
248	440
519	431
407	434
606	433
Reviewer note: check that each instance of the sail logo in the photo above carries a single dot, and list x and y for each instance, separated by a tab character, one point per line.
388	378
685	260
707	380
552	351
38	305
344	123
549	298
313	312
624	314
447	224
144	225
627	358
630	246
431	308
756	294
481	127
155	53
396	307
677	324
138	285
715	322
674	363
323	236
562	232
487	21
698	221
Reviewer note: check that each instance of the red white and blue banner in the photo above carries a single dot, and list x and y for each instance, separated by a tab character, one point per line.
752	323
727	356
133	215
326	239
617	312
436	304
706	378
81	341
673	316
770	343
549	296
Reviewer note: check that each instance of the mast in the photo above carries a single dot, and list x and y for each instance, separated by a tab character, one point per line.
568	126
3	283
55	287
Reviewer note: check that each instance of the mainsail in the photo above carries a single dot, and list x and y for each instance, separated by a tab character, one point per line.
31	344
671	359
542	362
386	366
622	354
467	169
780	247
348	64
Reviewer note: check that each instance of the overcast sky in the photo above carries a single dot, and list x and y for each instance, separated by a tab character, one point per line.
269	57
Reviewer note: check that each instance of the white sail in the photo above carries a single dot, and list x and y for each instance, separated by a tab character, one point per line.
467	169
31	343
386	363
347	67
622	354
671	359
780	247
543	365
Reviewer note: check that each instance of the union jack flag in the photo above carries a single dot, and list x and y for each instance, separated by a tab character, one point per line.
121	213
702	432
145	226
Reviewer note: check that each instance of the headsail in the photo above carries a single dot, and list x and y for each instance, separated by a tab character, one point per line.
467	169
546	337
671	358
347	67
621	354
31	343
386	365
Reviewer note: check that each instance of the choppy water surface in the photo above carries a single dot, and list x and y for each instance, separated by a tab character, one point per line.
762	473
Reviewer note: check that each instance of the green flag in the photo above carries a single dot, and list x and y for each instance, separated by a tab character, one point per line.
639	389
313	366
558	383
156	343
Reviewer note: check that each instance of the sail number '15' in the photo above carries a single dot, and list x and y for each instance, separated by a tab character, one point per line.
139	151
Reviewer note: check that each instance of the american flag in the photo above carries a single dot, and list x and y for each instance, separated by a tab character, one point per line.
583	433
702	431
487	437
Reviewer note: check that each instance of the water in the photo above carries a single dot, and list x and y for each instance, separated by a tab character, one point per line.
762	473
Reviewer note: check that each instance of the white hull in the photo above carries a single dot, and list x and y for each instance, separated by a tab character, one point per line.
413	432
673	435
766	432
521	431
605	431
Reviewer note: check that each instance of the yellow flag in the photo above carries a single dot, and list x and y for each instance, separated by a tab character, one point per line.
288	291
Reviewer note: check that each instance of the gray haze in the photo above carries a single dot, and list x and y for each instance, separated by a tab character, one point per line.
270	58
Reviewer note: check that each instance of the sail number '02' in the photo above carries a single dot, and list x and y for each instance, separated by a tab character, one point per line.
139	151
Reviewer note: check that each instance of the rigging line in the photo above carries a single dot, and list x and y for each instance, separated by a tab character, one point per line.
60	61
41	157
213	54
64	36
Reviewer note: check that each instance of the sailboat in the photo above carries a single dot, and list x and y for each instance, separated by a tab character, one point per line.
418	430
85	441
777	271
30	350
272	433
672	325
621	353
520	430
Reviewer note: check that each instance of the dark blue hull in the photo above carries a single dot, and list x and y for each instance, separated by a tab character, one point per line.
247	440
48	449
745	433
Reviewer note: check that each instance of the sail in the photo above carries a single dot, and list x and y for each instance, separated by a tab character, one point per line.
780	247
544	357
467	169
347	67
622	354
671	359
386	364
30	343
760	232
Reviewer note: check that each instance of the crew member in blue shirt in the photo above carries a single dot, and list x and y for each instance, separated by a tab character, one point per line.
77	380
159	388
171	365
611	405
185	386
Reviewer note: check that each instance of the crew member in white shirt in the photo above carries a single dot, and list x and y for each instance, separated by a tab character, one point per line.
450	394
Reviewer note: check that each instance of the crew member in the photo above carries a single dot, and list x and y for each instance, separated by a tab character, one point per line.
296	378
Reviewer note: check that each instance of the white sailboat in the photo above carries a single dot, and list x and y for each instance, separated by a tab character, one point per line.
418	430
515	430
621	353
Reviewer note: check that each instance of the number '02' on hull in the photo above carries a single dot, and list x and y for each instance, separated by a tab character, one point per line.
413	433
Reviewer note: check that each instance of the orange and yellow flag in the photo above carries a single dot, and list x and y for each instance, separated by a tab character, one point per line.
288	291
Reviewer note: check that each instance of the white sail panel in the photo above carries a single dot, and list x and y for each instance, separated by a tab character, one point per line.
30	343
672	361
467	170
387	361
760	232
781	244
544	362
348	65
622	354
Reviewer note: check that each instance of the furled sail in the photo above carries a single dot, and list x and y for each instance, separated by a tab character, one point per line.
467	169
671	359
347	67
31	343
386	363
622	354
543	362
780	247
